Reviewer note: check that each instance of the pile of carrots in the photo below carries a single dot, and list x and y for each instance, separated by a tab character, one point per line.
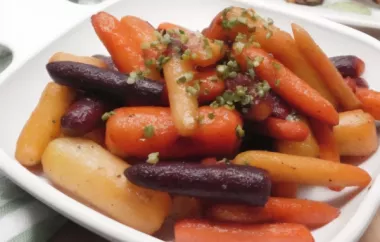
168	94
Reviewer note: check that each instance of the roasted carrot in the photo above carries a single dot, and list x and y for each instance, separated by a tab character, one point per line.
309	147
285	210
272	39
287	85
182	97
202	231
282	129
284	189
370	101
330	75
139	131
305	170
210	85
144	33
125	51
204	51
356	134
328	148
44	124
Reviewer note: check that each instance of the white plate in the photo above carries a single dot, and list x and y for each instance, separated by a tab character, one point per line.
23	81
366	15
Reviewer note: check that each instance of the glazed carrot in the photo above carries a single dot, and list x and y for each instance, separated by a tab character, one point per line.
330	75
62	56
272	39
183	102
283	189
282	129
287	85
309	147
139	131
305	170
44	124
144	33
356	134
210	85
204	51
370	101
125	51
328	149
285	210
201	231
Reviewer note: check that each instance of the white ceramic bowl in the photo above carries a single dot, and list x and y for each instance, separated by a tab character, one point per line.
36	33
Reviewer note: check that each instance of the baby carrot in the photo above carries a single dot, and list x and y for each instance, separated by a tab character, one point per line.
143	33
62	56
139	131
282	129
226	26
305	170
330	75
125	51
44	124
285	210
286	84
210	85
182	98
370	101
201	231
204	51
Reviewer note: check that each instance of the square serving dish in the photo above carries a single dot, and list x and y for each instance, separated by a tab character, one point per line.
48	30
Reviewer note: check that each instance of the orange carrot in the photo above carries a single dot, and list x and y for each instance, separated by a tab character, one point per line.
272	39
183	103
210	85
283	189
143	33
202	231
328	149
125	51
205	51
285	210
139	131
304	170
286	84
282	129
330	75
370	101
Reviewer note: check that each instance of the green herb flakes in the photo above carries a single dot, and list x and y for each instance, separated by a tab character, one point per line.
153	158
240	133
107	115
211	115
148	131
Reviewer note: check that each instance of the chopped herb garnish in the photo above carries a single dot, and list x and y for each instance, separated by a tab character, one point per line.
239	131
181	31
262	88
145	46
153	158
107	115
269	34
240	37
232	74
192	90
219	42
251	73
238	47
186	55
133	77
213	78
256	44
246	163
200	119
270	21
276	65
149	62
211	115
241	90
193	56
277	82
186	77
257	61
148	131
166	39
242	20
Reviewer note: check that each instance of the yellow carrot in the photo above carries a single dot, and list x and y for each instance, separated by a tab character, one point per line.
304	170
